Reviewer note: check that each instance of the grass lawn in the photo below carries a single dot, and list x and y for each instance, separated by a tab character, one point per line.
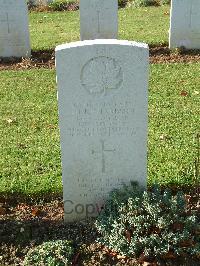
30	148
149	25
30	152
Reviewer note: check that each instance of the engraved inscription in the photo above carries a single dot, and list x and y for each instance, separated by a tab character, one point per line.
98	186
103	151
101	75
109	120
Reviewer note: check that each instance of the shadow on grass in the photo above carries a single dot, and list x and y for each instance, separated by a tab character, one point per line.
17	197
44	197
17	237
36	230
163	49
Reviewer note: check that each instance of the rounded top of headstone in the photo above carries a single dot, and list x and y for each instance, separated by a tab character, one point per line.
101	42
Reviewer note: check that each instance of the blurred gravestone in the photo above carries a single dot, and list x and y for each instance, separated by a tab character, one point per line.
102	94
98	19
185	24
14	31
39	2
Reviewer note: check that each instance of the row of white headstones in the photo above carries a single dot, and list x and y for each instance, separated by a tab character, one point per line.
103	100
98	20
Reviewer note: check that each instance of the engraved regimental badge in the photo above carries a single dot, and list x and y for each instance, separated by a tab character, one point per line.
100	75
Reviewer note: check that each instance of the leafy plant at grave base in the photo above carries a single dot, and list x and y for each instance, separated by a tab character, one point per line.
64	5
137	223
123	3
53	253
165	2
139	3
72	5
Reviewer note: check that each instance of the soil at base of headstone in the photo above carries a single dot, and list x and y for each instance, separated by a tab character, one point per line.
26	223
46	58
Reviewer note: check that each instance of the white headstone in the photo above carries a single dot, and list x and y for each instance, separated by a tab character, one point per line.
14	32
102	94
98	19
185	24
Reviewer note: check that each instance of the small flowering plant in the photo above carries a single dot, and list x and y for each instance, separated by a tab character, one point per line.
138	223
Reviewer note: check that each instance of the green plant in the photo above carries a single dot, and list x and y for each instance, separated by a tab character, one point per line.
165	2
139	3
53	253
58	6
123	3
151	224
64	5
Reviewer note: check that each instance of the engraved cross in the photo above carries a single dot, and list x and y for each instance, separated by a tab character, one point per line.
103	151
7	21
99	9
98	18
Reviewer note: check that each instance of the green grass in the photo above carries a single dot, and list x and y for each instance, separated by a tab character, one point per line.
30	149
30	156
50	29
149	24
175	117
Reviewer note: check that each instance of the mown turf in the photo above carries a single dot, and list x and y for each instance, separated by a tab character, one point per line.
145	24
174	122
30	153
30	149
149	24
48	29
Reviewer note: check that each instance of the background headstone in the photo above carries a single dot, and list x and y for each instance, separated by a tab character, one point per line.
98	19
185	24
14	31
102	94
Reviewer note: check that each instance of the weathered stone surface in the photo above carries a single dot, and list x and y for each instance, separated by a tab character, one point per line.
98	19
14	32
102	94
185	24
